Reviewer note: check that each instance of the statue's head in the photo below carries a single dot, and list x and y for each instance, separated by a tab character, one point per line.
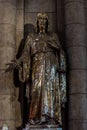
42	22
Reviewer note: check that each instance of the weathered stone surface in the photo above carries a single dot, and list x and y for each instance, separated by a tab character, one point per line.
7	107
86	15
30	18
20	4
7	14
78	124
66	1
6	84
77	53
76	57
85	9
18	119
75	35
74	13
40	6
20	20
6	55
77	81
19	38
78	106
10	124
7	35
13	2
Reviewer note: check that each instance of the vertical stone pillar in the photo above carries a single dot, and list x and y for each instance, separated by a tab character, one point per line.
77	69
7	53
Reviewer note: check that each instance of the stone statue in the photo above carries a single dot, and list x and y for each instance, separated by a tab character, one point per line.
42	66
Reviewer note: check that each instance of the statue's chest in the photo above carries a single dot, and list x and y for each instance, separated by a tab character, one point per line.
39	44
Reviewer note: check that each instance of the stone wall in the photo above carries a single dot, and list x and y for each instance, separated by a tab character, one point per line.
19	39
7	53
47	6
14	18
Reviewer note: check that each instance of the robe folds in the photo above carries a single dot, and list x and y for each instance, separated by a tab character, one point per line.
43	67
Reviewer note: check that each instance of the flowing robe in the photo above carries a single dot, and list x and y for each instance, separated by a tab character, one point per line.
41	63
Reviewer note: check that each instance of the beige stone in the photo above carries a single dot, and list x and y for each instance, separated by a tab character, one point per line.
85	4
7	107
75	35
20	20
78	106
20	4
10	123
6	83
66	1
76	57
74	13
18	110
77	81
6	55
7	14
78	124
40	6
13	2
19	38
7	35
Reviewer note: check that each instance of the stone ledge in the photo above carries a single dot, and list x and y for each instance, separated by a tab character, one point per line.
44	127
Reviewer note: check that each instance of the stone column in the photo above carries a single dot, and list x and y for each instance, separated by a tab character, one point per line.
77	64
7	53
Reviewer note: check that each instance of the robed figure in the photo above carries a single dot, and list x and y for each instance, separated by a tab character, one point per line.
42	66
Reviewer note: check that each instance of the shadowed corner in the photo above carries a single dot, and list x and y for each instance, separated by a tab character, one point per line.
28	28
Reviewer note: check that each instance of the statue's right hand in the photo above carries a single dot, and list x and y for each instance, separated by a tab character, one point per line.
13	64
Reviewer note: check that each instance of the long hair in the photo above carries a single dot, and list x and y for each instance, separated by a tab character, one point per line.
46	27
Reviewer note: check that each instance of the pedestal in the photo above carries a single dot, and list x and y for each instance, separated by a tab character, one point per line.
43	127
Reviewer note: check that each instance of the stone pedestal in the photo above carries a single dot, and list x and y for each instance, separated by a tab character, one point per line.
45	127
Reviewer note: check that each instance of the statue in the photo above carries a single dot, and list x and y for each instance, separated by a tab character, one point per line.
42	67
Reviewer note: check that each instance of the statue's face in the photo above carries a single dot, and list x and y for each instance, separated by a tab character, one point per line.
42	23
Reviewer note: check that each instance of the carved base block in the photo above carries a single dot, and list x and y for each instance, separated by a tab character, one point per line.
43	127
